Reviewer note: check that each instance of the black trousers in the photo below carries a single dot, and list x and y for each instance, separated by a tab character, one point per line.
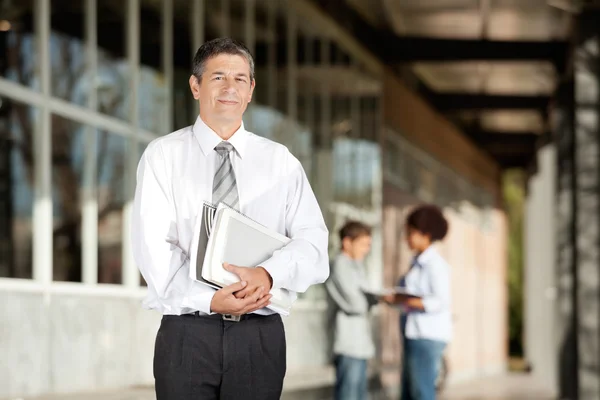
206	357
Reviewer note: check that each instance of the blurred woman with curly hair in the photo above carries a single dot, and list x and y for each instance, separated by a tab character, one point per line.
426	321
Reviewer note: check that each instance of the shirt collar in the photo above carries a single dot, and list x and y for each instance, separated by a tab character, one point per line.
425	256
209	139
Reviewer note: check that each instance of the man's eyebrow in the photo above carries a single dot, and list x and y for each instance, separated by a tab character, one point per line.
238	75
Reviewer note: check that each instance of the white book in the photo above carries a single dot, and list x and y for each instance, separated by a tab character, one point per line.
236	239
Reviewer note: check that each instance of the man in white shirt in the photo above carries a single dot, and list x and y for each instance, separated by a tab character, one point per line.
222	344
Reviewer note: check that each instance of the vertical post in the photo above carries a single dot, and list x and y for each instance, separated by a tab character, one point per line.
250	25
129	270
197	27
309	110
272	53
324	150
292	68
89	231
225	17
325	96
42	207
167	62
250	41
566	241
587	203
356	167
197	23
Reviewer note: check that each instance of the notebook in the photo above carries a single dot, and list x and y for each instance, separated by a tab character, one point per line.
200	242
236	239
380	292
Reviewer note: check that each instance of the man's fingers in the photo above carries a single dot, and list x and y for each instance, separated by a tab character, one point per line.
243	293
253	298
232	268
265	301
236	287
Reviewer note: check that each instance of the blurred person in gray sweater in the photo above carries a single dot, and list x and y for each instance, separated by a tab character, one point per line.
347	287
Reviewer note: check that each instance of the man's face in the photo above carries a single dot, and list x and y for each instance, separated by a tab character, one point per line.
417	240
359	247
225	88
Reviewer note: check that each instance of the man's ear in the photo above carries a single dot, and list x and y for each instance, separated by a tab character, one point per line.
195	87
252	86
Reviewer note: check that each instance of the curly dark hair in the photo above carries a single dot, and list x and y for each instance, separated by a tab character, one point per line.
429	220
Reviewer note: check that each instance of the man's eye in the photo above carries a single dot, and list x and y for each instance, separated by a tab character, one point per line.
218	78
241	80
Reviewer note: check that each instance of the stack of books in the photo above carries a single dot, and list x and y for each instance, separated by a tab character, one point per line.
224	235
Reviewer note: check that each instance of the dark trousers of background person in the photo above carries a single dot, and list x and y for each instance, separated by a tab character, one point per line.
205	358
351	378
420	368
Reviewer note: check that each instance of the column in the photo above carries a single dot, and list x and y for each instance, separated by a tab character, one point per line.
577	139
587	204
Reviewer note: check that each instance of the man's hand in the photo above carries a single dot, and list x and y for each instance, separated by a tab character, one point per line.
225	302
256	277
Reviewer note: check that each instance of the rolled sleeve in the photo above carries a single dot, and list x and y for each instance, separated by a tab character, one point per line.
304	261
156	251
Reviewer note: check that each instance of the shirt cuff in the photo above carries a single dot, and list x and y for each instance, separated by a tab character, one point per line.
200	302
278	271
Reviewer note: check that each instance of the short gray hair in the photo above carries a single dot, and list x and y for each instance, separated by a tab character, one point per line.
218	46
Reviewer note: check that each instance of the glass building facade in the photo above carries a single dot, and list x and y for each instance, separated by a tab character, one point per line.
85	85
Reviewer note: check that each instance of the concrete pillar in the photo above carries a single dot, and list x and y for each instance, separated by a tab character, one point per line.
587	165
577	137
540	265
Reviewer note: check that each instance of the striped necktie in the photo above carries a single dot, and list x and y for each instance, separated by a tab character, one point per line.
224	185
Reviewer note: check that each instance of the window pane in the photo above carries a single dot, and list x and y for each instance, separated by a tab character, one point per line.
68	159
112	151
18	52
17	123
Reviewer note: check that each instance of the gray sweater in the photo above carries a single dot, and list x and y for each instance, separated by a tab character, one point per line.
353	331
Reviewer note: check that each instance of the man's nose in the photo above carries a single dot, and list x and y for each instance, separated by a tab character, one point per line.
228	86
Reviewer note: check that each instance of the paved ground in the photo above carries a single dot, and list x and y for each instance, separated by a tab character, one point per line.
509	387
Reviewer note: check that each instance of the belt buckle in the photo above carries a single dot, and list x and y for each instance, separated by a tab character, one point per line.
232	318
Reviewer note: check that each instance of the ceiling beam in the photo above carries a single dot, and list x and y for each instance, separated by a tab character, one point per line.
412	49
393	49
518	161
465	101
491	139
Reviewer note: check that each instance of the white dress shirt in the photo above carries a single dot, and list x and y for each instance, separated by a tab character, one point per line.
429	276
175	175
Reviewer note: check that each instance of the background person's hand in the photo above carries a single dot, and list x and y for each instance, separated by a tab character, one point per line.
255	277
225	302
388	298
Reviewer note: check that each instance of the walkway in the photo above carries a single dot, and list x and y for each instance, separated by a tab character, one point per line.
509	387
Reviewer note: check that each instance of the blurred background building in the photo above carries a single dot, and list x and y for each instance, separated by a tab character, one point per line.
386	103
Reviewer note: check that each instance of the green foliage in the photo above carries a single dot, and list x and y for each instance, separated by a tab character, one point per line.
514	199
